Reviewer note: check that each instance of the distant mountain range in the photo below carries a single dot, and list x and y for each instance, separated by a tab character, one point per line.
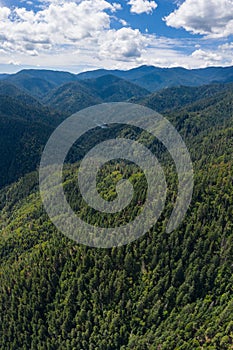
34	102
40	82
154	78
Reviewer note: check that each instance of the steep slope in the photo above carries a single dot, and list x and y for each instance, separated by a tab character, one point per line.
71	97
178	97
165	291
12	91
27	108
25	126
113	89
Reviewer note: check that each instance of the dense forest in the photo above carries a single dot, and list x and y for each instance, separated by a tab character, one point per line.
164	291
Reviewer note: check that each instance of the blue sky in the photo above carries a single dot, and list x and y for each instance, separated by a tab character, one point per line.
76	35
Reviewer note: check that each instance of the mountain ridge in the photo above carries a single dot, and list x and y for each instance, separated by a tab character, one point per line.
151	78
74	96
155	78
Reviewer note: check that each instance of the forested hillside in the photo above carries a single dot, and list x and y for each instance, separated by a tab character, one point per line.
162	292
178	97
74	96
25	126
27	119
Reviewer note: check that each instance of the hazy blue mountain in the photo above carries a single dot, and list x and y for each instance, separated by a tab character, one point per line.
55	77
154	78
39	82
136	72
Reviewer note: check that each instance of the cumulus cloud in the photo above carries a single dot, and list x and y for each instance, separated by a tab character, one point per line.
142	6
80	27
227	47
220	55
4	13
123	44
207	56
212	18
67	34
57	24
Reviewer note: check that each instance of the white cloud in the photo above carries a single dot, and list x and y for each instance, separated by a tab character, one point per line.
66	34
4	13
80	27
212	18
117	6
14	63
57	24
123	22
227	47
221	55
123	44
142	6
207	56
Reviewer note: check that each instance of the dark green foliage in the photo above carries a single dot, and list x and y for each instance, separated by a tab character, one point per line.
25	126
171	291
113	89
178	97
10	90
71	97
74	96
164	291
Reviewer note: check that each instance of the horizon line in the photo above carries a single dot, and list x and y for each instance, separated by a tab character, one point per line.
64	70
